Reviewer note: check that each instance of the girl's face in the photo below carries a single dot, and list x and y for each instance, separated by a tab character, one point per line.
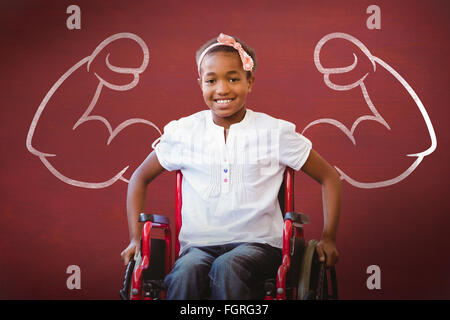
225	86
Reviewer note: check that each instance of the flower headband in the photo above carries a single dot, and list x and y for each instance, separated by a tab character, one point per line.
223	39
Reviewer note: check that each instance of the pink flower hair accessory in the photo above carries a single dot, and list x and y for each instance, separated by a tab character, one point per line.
223	39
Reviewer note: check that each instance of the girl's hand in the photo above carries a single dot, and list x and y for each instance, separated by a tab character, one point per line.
132	251
326	249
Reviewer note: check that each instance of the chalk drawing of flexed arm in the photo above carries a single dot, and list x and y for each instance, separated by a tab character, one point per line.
46	157
373	115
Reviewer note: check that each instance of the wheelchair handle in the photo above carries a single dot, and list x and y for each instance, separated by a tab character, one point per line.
125	292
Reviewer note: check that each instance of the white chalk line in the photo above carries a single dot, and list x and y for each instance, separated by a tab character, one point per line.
87	114
375	115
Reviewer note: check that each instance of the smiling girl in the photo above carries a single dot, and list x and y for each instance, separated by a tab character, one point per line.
232	160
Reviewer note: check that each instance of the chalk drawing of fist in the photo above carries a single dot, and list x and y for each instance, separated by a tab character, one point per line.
87	116
373	114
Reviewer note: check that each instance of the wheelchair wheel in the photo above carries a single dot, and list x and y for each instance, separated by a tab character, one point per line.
151	277
303	288
125	293
313	281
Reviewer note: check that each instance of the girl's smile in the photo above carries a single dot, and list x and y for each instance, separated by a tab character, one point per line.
225	87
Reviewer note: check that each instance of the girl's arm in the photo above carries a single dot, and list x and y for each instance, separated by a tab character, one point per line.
137	189
321	171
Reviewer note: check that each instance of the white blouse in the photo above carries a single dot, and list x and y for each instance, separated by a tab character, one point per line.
230	189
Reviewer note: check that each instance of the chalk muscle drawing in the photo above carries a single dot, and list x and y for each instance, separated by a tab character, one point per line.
113	132
375	115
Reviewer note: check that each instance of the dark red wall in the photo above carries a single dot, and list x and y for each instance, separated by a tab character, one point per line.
47	224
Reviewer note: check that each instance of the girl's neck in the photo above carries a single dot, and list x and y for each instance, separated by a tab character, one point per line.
226	122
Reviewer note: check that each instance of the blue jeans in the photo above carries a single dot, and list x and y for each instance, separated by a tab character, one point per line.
235	271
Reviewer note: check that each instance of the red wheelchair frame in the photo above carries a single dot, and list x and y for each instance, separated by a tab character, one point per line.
289	273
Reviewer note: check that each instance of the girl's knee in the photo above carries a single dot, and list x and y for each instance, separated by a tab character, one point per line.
229	266
191	265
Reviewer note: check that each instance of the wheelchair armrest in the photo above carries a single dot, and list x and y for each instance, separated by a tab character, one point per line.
297	217
156	218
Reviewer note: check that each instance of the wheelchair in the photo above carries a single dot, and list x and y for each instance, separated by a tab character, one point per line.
301	276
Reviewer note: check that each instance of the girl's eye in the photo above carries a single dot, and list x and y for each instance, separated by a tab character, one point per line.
234	79
209	81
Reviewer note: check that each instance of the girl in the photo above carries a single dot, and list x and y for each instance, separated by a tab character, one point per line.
232	160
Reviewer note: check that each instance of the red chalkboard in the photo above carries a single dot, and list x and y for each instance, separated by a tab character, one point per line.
87	87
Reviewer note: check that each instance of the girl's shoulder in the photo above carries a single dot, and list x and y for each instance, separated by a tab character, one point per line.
190	122
264	120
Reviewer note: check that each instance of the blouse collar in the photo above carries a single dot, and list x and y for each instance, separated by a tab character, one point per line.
239	125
